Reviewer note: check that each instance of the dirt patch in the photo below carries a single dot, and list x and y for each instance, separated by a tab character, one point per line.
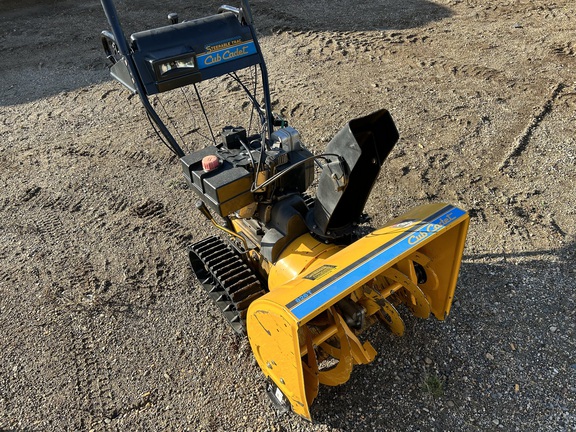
103	326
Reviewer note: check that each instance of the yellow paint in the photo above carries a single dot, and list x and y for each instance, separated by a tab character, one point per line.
279	340
303	254
273	335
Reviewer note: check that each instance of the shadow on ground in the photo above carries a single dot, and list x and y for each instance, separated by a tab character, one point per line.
510	335
341	15
53	46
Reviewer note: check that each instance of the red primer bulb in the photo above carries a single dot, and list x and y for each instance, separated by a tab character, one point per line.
210	163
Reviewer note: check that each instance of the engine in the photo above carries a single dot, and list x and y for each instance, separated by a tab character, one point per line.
244	175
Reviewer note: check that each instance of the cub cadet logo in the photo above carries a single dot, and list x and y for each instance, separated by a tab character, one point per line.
228	54
431	228
214	57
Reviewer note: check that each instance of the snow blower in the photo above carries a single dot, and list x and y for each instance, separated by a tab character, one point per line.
293	268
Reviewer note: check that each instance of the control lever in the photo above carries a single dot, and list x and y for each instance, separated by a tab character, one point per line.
204	210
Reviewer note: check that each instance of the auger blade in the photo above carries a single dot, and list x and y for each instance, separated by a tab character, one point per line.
391	318
412	297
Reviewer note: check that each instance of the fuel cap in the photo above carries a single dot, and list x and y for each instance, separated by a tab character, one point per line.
210	163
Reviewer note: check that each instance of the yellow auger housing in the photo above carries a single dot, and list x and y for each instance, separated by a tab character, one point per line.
304	332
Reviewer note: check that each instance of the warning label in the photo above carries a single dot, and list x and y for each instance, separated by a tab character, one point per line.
320	272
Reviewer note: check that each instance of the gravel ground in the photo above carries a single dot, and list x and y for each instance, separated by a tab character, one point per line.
103	326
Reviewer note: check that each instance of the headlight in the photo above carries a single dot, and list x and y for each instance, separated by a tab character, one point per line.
169	68
182	63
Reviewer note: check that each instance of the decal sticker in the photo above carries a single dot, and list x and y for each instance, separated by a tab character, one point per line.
230	53
320	272
405	223
216	46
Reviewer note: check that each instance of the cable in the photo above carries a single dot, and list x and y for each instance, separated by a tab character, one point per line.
248	150
255	103
159	135
276	176
255	80
170	119
261	160
196	128
204	112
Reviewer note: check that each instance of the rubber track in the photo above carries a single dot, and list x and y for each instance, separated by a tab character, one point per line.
231	284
